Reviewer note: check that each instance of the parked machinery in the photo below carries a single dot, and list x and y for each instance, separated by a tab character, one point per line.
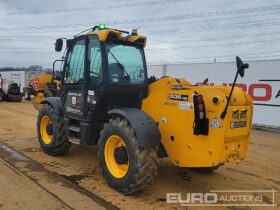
40	86
11	93
106	99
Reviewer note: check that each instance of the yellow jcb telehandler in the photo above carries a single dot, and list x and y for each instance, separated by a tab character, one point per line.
106	98
40	86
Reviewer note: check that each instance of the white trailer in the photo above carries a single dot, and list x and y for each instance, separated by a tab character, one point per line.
10	77
261	82
11	85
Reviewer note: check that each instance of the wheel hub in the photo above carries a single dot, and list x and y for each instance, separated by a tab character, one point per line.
46	129
116	156
120	155
49	129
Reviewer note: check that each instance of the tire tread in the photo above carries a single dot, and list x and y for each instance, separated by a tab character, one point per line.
60	144
147	162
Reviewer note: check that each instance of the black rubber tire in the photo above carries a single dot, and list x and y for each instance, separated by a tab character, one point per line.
14	98
59	144
143	162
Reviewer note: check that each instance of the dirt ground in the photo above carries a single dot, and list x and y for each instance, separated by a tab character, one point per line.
14	199
260	170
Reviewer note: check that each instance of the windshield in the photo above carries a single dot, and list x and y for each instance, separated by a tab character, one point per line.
126	64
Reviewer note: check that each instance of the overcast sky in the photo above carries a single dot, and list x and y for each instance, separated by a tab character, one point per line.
178	31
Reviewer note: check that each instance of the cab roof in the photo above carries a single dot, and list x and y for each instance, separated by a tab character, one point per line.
114	34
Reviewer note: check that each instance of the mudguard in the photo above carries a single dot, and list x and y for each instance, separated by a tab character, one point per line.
146	128
55	103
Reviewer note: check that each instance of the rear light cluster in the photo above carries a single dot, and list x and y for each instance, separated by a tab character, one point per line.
200	106
201	123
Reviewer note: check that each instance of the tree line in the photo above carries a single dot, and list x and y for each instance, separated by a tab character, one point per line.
32	68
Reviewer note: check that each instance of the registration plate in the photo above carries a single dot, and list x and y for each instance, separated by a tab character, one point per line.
240	124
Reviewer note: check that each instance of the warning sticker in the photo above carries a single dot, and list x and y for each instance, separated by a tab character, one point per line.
215	123
185	105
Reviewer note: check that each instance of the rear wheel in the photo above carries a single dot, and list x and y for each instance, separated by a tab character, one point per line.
126	166
51	133
14	98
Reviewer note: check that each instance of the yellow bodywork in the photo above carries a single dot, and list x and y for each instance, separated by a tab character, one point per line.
38	83
175	118
36	100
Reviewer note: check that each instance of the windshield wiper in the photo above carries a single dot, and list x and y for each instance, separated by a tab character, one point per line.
120	65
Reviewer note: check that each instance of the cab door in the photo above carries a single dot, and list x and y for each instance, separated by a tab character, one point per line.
74	83
95	77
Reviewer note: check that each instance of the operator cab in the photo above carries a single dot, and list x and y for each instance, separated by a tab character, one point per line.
103	69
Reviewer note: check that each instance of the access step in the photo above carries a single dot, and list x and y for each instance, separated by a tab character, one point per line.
74	140
74	128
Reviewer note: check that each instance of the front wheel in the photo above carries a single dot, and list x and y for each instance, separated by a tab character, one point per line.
51	133
126	166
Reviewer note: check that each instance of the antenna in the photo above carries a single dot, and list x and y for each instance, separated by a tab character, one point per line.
83	32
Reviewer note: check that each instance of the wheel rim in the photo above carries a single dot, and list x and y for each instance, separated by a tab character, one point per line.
45	133
113	143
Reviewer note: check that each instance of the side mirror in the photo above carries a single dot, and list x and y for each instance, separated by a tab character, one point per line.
57	75
241	66
240	70
58	45
205	81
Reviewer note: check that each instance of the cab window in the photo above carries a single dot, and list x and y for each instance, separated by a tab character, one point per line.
75	64
126	64
95	58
